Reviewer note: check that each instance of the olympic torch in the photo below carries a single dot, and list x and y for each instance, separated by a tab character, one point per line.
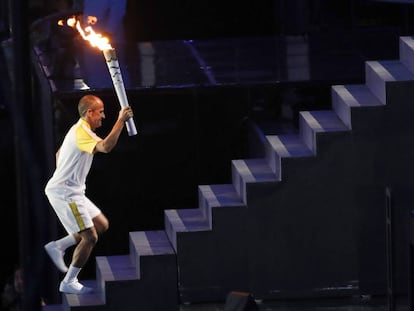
116	75
102	43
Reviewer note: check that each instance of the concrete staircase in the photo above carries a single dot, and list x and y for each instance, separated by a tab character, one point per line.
293	222
146	279
301	217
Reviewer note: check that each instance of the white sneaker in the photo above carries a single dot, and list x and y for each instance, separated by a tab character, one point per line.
56	254
74	287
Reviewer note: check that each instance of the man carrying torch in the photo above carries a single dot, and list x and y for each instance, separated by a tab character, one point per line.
81	218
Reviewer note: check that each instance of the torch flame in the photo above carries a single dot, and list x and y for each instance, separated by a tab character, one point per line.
96	40
88	34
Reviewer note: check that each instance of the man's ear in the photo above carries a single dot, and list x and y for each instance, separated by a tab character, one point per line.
89	111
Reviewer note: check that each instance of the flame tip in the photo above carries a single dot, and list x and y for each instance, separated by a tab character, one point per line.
88	34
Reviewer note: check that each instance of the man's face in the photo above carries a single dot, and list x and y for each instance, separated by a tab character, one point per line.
96	114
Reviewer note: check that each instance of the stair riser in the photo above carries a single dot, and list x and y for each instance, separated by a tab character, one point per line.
213	263
274	160
307	134
205	207
342	109
239	184
375	83
171	233
406	45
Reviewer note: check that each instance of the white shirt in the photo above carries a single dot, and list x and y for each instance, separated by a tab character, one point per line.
74	160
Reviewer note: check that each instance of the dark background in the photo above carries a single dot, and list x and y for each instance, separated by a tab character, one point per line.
194	148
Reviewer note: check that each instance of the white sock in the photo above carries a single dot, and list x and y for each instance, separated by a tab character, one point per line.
72	274
66	242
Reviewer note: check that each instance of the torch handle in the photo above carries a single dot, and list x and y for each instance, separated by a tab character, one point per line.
123	101
132	130
116	76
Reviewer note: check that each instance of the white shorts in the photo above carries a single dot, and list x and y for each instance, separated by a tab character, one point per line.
75	212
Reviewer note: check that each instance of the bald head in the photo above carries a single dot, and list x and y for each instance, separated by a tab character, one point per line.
87	102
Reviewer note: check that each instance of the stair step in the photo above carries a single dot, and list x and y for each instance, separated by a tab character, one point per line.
148	281
154	259
377	73
246	171
80	302
284	146
356	95
221	195
148	243
289	146
313	122
217	196
184	220
114	268
115	274
189	219
344	97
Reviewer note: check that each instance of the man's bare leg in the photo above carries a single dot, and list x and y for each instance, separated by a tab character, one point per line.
56	249
83	250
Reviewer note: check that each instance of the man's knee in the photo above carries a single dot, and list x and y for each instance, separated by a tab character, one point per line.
89	236
101	224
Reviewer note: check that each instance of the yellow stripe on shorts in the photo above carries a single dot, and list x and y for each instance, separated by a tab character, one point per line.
78	217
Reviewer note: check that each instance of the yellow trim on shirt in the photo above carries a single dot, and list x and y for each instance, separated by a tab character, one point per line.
84	140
